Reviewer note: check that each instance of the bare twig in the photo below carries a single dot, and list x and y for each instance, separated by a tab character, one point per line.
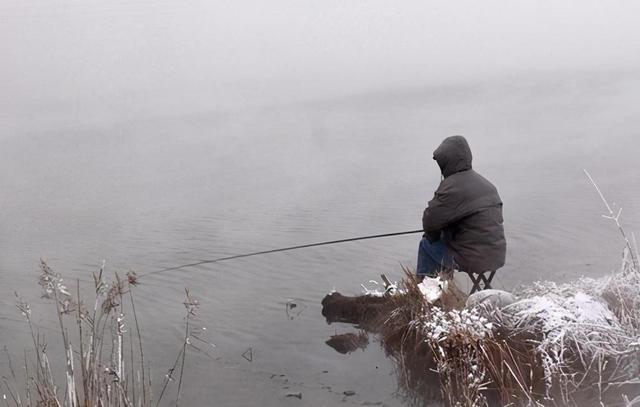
635	246
132	282
169	376
616	218
191	304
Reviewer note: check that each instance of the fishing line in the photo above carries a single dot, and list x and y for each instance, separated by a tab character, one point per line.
283	249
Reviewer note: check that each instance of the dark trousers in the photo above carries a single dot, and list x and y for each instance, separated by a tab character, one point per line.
432	257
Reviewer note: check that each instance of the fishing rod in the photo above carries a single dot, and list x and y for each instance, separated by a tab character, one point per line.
283	249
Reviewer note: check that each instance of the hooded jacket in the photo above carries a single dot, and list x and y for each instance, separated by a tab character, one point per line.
466	211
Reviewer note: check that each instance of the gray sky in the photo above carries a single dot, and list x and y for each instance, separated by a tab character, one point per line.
105	51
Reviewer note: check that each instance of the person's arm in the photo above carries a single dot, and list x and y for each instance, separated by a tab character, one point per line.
432	236
440	212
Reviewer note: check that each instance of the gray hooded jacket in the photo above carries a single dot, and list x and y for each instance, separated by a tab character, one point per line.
466	211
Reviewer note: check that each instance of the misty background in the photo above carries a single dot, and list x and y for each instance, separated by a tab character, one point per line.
104	60
155	133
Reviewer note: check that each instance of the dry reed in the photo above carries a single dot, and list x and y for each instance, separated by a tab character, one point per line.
107	367
559	344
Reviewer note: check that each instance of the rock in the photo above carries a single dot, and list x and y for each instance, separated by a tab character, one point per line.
349	393
492	298
296	395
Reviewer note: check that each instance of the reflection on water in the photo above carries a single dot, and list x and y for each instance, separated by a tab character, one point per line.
385	317
153	192
349	342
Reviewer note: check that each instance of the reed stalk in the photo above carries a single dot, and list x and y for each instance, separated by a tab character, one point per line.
616	218
107	374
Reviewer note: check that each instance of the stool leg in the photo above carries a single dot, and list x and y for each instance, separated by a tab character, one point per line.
487	281
481	282
476	283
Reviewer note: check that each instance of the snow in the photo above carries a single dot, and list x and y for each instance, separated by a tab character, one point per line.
432	288
589	310
392	289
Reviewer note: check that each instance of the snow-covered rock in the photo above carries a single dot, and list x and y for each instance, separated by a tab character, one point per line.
492	298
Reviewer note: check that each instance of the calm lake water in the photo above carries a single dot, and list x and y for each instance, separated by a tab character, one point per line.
159	189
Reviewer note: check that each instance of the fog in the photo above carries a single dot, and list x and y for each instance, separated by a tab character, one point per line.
101	58
155	133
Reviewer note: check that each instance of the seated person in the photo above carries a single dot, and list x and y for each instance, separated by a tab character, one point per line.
463	222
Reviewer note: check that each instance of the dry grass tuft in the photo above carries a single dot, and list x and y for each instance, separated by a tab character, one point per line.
106	367
559	344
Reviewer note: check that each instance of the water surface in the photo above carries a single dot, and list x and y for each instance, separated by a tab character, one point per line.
154	190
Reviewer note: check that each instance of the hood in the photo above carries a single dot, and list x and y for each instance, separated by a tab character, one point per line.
453	155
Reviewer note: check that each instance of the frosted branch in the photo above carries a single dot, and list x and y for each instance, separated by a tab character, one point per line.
616	219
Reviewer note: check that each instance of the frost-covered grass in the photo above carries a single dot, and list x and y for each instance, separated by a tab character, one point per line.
104	359
558	344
